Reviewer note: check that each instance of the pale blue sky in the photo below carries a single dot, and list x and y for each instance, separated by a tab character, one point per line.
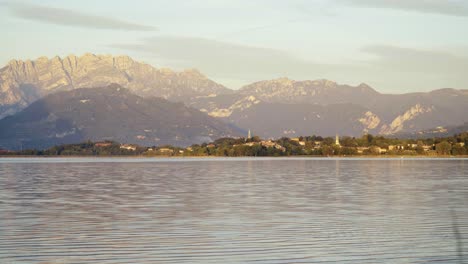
393	45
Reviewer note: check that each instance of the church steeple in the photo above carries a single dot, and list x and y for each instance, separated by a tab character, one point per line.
337	140
249	135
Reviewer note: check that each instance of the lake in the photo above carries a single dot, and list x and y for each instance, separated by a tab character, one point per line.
236	210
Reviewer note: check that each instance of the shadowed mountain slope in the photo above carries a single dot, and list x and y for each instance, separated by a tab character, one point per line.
109	113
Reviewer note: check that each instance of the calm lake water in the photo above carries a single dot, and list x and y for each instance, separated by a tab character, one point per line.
233	210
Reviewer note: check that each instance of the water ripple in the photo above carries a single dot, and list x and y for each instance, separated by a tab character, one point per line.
232	210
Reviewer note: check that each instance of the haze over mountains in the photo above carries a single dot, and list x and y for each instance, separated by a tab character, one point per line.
272	108
108	113
23	82
324	107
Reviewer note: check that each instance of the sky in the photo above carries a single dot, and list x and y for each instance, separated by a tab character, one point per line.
395	46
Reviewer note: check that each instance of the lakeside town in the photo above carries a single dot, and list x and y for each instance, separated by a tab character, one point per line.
367	145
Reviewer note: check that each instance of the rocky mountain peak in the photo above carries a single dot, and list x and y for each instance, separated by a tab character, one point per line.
123	62
193	73
22	82
283	80
364	86
324	83
320	91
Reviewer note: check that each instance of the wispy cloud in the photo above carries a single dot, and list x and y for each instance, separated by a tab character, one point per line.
226	60
409	69
443	7
401	59
386	67
68	17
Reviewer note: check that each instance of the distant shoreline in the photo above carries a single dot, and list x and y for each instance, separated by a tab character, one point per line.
237	157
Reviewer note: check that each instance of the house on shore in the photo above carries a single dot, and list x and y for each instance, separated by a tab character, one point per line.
102	144
4	151
271	144
128	147
166	151
298	140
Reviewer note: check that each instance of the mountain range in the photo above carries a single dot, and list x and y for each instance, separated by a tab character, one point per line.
271	108
23	82
324	107
108	113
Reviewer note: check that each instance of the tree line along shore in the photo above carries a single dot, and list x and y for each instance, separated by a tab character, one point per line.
456	145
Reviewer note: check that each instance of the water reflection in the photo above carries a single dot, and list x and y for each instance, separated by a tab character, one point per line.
234	211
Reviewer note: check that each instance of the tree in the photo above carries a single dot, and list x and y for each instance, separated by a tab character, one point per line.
443	148
348	151
458	150
374	150
370	138
419	148
327	151
329	141
348	142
